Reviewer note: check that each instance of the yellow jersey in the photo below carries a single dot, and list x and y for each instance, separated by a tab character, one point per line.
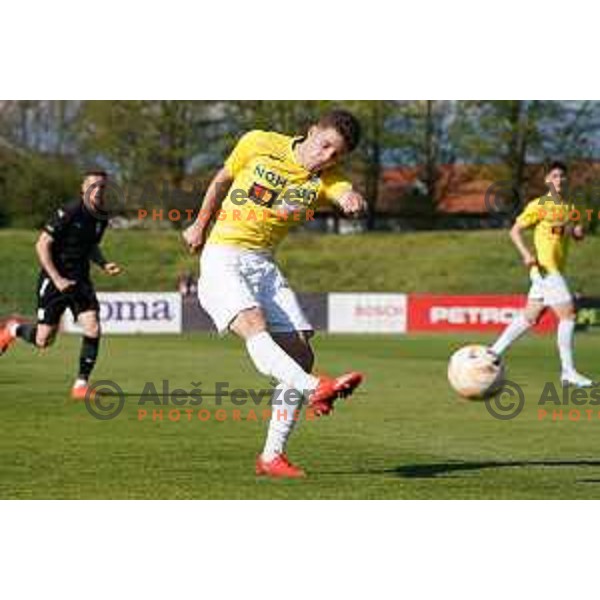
271	192
550	236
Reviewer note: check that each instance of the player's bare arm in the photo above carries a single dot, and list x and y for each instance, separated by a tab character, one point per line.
109	267
43	249
195	234
516	235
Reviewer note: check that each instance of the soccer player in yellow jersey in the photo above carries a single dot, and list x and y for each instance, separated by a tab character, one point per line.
269	184
554	221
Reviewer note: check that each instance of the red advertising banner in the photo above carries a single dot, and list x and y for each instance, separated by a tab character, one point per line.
427	312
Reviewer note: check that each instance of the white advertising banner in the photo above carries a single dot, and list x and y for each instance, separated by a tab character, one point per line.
135	312
367	313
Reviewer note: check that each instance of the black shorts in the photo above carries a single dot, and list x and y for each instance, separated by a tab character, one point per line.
52	303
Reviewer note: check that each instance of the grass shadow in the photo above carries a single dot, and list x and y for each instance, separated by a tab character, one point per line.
442	469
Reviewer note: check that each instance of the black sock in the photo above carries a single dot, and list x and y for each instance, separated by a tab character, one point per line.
87	358
27	332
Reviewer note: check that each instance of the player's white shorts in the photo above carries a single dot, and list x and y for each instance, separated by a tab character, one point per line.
550	290
234	279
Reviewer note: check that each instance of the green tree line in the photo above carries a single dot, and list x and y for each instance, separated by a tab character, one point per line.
170	148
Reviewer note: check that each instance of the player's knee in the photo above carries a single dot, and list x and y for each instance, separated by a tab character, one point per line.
532	315
44	341
248	323
531	319
569	314
92	330
565	312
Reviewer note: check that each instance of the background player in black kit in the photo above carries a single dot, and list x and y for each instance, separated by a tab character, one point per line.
69	241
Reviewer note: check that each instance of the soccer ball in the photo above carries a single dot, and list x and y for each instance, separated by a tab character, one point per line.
475	372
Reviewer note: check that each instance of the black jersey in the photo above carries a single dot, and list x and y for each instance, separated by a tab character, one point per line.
75	231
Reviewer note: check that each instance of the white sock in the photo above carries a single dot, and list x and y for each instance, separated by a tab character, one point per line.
79	382
284	408
566	330
512	332
272	361
12	329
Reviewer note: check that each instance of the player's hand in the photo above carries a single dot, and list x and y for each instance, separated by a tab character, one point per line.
352	204
111	268
529	260
64	285
578	233
195	237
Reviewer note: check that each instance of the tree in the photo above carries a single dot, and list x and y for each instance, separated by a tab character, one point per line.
515	133
37	171
153	146
381	139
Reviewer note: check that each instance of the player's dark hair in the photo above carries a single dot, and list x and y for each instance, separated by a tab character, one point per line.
95	172
556	164
345	123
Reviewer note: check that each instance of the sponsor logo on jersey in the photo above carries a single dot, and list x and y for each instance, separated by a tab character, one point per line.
261	195
305	194
271	177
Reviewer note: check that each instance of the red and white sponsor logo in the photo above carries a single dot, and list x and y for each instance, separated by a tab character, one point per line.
367	313
473	315
468	313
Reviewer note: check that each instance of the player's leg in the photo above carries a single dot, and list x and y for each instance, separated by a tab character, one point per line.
564	335
523	321
227	290
518	327
36	334
51	304
44	334
85	308
271	360
292	331
287	402
565	311
28	332
267	355
234	289
90	344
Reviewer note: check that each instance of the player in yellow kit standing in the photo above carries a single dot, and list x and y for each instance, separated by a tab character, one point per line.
269	184
553	218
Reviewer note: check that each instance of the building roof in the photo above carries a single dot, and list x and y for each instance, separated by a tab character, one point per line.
462	188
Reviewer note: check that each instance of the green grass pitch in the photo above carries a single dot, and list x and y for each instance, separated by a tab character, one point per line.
403	435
